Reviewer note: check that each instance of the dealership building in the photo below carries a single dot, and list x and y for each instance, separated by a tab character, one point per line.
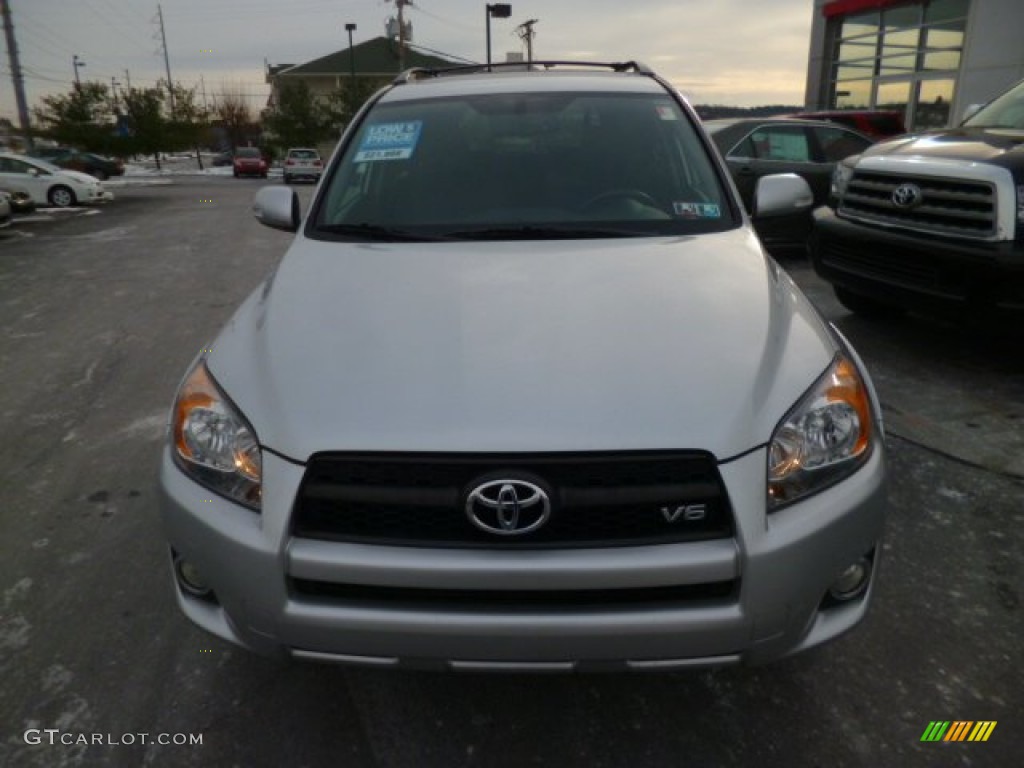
929	59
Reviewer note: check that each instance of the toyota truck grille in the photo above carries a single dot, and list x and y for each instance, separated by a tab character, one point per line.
963	208
596	499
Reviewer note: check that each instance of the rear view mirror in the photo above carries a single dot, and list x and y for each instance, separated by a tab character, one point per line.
278	207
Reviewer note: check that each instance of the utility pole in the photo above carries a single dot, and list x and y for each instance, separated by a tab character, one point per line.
128	79
526	34
76	63
17	80
113	91
202	85
401	33
167	61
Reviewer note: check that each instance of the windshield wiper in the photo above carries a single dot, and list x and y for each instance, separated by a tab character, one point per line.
530	232
379	233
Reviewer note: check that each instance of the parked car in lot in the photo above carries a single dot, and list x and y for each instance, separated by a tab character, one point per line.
526	393
50	185
20	199
875	123
932	221
756	147
101	168
5	210
300	163
249	161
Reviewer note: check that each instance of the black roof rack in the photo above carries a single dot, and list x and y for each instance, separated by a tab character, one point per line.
422	73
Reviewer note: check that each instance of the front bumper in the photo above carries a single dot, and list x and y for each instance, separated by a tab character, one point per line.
400	607
918	271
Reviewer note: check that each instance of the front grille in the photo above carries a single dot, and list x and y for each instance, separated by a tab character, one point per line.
510	601
959	207
896	265
597	499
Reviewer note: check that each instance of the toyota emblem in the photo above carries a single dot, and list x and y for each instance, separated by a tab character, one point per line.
906	196
508	507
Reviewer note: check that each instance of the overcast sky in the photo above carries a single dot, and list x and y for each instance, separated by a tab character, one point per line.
737	52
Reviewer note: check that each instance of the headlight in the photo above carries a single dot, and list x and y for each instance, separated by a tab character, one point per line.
213	443
825	437
841	176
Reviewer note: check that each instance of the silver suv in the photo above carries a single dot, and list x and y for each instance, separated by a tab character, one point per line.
526	393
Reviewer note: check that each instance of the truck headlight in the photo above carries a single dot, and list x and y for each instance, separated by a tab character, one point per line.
825	437
213	443
841	175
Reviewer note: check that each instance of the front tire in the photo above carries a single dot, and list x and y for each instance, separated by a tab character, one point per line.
868	308
61	197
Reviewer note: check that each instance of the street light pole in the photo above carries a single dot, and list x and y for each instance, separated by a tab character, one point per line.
350	28
76	63
498	11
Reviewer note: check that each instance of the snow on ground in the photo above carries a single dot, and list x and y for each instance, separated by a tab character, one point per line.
178	165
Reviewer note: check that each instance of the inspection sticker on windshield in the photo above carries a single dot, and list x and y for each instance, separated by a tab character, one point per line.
389	141
697	210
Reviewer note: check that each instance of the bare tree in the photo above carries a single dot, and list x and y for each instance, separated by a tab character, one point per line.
233	111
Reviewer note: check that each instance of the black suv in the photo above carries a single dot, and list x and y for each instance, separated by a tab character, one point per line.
931	221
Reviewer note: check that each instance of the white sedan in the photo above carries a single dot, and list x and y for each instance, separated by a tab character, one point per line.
50	185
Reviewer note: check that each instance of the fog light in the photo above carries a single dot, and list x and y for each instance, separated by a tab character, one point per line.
852	581
189	578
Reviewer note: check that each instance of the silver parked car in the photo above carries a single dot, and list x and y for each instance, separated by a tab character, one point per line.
526	393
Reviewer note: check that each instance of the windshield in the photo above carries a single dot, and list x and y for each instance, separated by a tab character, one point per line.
247	152
531	165
1005	112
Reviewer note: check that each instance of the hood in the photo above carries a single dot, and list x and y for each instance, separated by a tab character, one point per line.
646	343
78	176
1000	146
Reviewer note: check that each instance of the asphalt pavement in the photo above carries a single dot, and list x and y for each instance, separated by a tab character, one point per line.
101	313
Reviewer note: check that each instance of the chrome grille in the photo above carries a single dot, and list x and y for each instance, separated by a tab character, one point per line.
964	208
597	499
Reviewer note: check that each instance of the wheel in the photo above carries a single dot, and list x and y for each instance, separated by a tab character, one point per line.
616	194
287	179
869	309
263	175
100	174
235	174
61	196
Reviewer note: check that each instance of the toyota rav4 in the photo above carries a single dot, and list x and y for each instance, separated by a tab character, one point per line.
525	392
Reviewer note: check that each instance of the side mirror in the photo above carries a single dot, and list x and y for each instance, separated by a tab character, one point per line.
33	171
781	194
278	207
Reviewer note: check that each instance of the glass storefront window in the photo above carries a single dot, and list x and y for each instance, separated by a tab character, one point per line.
893	96
853	94
941	60
851	50
881	58
861	24
934	98
897	65
941	10
903	17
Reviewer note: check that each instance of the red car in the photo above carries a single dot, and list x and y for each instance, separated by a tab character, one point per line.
249	161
